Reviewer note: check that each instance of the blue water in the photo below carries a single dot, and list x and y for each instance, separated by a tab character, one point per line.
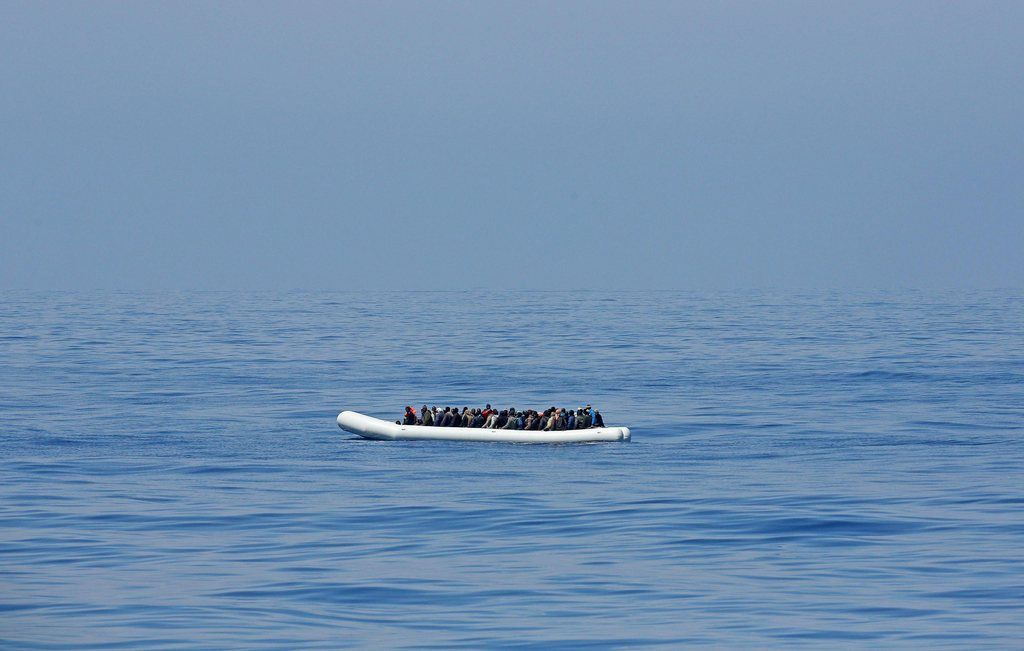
807	469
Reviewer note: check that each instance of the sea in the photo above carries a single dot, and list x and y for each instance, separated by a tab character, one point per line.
815	469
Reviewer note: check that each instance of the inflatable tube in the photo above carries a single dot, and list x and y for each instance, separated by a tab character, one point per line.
375	428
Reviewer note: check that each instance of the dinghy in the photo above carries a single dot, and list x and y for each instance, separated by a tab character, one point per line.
374	428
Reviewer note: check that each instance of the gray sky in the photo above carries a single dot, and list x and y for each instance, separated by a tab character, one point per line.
511	145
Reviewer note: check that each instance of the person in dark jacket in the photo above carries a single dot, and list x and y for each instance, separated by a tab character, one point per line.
598	421
410	417
560	423
427	416
510	422
478	419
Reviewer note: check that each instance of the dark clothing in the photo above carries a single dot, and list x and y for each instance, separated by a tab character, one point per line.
598	421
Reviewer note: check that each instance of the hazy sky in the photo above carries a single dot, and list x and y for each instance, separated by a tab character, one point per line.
506	145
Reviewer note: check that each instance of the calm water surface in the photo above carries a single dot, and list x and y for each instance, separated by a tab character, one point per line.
816	469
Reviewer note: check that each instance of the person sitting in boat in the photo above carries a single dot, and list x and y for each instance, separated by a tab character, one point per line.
560	419
410	416
510	422
586	419
426	416
491	420
549	421
598	421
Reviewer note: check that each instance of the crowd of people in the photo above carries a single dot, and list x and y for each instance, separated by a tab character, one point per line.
553	418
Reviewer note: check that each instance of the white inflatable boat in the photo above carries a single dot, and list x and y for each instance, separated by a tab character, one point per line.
375	428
